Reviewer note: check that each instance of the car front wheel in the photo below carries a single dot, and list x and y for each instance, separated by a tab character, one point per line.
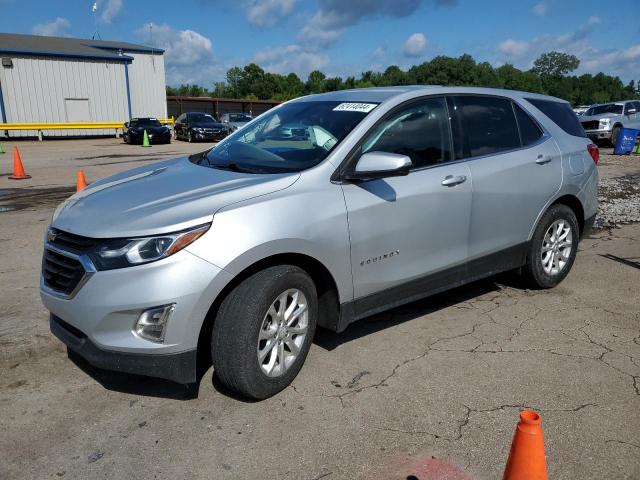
263	331
553	248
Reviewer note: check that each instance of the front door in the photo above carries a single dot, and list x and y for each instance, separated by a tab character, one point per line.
409	233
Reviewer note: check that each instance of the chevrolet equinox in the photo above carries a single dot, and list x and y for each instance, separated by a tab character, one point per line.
238	253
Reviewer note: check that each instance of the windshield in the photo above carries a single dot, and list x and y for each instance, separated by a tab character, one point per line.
239	117
145	122
608	108
290	138
201	118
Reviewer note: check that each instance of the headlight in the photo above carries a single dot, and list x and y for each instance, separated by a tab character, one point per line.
605	122
126	252
198	129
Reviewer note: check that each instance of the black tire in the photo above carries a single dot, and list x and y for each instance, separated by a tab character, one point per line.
615	133
234	340
533	270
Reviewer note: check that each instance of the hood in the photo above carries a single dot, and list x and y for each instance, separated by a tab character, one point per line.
160	198
585	118
160	129
207	125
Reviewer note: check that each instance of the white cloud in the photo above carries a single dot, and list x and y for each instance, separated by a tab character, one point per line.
109	9
334	16
379	53
56	28
622	62
415	45
539	9
266	13
513	48
188	55
292	58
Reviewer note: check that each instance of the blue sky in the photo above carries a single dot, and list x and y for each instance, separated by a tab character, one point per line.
203	38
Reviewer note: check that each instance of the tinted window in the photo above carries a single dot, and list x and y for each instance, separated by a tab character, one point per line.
201	118
488	125
529	130
606	108
420	131
561	114
144	122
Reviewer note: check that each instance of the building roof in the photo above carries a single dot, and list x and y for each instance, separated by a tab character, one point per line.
13	43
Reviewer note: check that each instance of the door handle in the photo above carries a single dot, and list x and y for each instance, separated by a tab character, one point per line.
542	159
450	180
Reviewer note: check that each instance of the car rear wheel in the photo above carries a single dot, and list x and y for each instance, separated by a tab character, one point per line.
263	331
553	247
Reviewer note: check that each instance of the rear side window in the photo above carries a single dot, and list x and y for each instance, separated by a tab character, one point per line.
488	125
561	114
530	132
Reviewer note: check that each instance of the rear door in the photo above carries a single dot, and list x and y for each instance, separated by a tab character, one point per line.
405	230
516	168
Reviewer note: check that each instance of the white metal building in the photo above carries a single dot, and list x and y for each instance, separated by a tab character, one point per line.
59	80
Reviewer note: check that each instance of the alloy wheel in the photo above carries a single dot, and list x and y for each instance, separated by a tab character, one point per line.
556	247
283	332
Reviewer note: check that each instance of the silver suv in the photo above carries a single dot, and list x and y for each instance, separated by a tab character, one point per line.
235	255
603	122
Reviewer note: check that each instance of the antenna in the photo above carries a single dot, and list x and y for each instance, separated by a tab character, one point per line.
94	8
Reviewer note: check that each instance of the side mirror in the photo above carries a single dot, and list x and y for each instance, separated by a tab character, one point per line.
631	111
373	165
126	124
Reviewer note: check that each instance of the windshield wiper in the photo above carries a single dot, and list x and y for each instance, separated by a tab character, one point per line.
234	167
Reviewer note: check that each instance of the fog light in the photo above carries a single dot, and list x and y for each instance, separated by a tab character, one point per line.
152	323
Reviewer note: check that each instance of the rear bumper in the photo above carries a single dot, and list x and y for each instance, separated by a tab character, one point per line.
178	367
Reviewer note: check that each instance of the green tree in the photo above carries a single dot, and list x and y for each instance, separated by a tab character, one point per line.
316	82
555	64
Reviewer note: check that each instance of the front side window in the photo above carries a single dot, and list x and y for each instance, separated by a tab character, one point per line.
420	131
290	138
488	125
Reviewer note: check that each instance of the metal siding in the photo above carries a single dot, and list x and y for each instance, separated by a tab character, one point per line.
35	89
148	86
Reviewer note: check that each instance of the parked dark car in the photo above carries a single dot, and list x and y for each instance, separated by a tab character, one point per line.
196	126
133	131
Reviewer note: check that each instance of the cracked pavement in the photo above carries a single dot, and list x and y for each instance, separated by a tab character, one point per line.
433	386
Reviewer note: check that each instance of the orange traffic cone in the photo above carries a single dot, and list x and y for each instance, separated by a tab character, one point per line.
18	169
81	181
526	459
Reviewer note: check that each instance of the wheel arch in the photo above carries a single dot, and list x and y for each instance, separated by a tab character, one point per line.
574	204
326	286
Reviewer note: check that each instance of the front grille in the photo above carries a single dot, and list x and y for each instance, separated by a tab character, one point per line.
72	242
61	273
591	125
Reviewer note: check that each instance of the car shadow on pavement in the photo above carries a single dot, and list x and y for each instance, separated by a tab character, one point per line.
136	384
156	387
330	340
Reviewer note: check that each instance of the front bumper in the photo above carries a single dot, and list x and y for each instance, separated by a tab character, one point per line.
105	309
153	138
178	367
598	134
211	137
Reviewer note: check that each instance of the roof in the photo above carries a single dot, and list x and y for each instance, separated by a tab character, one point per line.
382	94
13	43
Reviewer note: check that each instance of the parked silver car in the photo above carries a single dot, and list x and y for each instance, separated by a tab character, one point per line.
603	122
236	120
235	255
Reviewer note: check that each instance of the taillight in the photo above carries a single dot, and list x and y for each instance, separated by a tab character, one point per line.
594	152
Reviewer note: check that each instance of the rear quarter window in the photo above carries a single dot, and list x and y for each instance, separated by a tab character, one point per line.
561	114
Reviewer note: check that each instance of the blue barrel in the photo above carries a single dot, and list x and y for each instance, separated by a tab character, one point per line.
626	141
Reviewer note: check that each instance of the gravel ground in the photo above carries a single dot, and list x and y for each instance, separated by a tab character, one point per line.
618	195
